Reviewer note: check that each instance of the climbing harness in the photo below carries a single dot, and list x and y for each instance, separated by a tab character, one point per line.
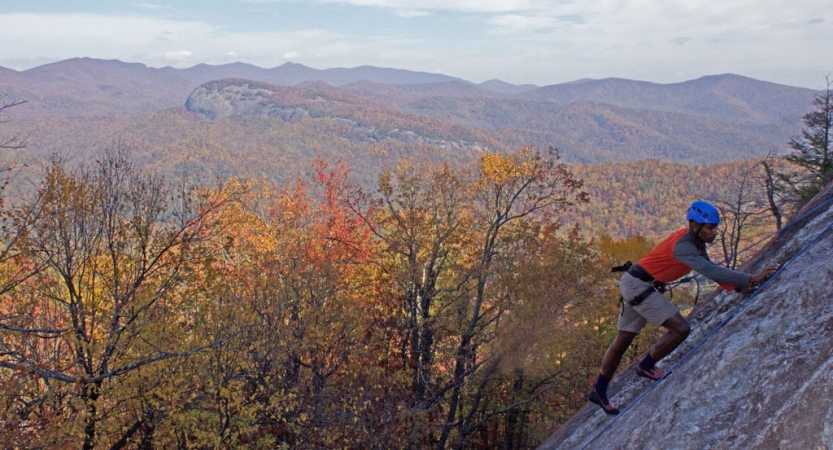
640	273
656	286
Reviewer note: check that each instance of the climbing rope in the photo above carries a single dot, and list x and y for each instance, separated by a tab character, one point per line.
670	287
723	322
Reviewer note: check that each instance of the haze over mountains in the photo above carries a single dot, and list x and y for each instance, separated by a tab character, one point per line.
242	120
131	88
711	119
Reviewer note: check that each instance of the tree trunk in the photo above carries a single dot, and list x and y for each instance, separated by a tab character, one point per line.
459	377
512	440
148	430
770	195
90	393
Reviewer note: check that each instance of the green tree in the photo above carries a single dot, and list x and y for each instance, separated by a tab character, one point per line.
811	150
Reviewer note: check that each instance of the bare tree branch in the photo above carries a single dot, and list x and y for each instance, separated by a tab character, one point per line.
13	142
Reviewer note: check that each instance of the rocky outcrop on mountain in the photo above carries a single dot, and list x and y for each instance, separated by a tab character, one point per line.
754	374
217	100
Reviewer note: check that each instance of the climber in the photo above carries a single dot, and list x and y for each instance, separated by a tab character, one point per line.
640	286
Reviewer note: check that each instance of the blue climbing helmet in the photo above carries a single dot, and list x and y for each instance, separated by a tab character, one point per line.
703	212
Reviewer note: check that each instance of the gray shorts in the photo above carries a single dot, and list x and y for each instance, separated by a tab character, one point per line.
655	309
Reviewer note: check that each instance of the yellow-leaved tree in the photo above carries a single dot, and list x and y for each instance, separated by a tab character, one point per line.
114	251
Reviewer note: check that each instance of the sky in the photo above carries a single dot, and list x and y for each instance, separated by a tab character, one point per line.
517	41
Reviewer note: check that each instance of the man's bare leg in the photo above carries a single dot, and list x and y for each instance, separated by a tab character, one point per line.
611	360
614	353
678	331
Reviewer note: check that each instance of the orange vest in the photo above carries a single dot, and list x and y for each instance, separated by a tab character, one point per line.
660	262
662	265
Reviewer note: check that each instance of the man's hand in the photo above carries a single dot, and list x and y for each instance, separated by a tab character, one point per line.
764	274
750	289
757	279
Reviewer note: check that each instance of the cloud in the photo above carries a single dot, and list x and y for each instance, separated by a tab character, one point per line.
521	41
477	6
178	56
408	13
92	31
514	23
147	5
150	40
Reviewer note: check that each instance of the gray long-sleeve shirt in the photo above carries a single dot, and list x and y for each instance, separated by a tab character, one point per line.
687	252
679	253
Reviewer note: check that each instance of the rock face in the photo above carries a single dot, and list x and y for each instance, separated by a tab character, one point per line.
373	122
217	102
756	371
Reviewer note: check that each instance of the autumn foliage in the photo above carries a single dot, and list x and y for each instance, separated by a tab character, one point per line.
448	307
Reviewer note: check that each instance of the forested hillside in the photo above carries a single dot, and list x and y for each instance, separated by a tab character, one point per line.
637	197
725	97
650	197
347	262
251	315
598	132
176	141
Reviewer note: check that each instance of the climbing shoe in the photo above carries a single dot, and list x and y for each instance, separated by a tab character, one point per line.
654	374
606	407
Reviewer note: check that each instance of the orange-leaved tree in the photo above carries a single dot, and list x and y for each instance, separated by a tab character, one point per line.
308	366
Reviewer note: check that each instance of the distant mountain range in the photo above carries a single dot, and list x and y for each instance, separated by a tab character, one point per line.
86	86
242	120
710	119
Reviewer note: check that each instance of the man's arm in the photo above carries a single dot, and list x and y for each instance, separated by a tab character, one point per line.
685	251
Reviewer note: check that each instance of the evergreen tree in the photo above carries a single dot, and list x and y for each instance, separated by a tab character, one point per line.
811	150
